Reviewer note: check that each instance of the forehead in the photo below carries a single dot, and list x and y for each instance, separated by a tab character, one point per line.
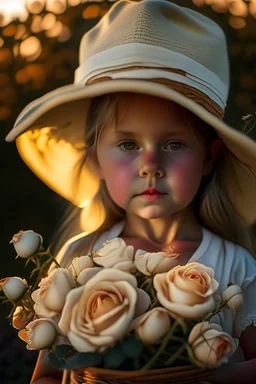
140	114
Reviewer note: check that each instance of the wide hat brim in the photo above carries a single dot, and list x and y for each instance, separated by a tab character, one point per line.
50	134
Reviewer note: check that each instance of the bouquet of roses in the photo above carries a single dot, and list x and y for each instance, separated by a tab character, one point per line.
117	311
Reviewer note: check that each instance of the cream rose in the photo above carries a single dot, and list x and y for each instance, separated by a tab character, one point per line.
99	313
211	345
152	326
233	296
13	287
50	297
187	290
115	254
78	264
26	243
39	334
153	263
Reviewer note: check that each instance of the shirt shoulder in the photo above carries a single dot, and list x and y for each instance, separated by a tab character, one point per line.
230	261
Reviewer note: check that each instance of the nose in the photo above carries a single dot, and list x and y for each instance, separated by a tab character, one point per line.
150	165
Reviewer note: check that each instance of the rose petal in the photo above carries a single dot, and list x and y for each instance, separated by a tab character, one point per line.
143	302
176	295
65	318
87	274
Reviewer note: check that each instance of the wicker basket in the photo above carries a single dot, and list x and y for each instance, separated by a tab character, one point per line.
184	374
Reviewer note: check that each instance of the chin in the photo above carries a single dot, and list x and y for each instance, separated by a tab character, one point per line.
152	213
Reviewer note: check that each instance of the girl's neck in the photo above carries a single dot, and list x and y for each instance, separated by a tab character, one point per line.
161	233
179	237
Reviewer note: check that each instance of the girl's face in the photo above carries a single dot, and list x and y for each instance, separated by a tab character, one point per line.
150	146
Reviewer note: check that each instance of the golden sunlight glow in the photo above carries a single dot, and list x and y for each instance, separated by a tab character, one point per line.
84	204
11	9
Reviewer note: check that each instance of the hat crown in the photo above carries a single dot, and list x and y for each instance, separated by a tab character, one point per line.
163	24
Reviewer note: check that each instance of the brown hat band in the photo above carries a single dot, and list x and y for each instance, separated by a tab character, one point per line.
190	92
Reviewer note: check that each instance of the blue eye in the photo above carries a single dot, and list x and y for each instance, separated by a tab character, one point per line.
125	144
175	145
129	146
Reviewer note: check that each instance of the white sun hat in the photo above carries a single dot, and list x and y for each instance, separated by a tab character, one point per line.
151	47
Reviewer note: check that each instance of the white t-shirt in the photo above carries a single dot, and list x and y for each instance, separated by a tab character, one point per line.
231	263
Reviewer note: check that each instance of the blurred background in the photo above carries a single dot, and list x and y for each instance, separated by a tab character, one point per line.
39	42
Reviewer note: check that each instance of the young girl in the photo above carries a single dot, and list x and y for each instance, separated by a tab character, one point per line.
138	141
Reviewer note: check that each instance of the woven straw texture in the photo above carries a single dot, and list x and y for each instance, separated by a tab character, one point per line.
185	374
146	20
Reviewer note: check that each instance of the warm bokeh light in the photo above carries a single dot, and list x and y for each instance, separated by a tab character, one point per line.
56	30
10	9
238	8
39	41
91	12
35	6
56	6
48	21
30	47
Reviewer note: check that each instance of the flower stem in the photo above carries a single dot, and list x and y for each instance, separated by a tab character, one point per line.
56	262
176	354
162	347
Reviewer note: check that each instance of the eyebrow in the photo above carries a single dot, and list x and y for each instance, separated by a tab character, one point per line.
165	134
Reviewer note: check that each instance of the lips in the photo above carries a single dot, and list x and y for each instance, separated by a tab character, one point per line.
151	191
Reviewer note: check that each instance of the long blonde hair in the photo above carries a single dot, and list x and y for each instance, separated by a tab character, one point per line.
212	206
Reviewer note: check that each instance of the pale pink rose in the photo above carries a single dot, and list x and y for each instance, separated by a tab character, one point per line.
211	345
39	334
13	287
50	297
233	296
115	254
99	313
78	264
21	317
152	326
186	290
153	263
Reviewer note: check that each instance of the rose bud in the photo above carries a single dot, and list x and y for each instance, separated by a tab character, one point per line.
21	317
39	334
115	254
152	326
233	296
79	264
247	117
211	345
26	243
13	287
50	297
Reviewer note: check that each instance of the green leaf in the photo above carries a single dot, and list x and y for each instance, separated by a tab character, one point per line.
114	357
63	350
132	347
84	359
57	362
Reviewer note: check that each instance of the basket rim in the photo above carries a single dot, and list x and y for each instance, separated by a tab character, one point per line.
129	374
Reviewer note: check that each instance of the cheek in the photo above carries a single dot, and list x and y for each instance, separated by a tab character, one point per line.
186	176
118	178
